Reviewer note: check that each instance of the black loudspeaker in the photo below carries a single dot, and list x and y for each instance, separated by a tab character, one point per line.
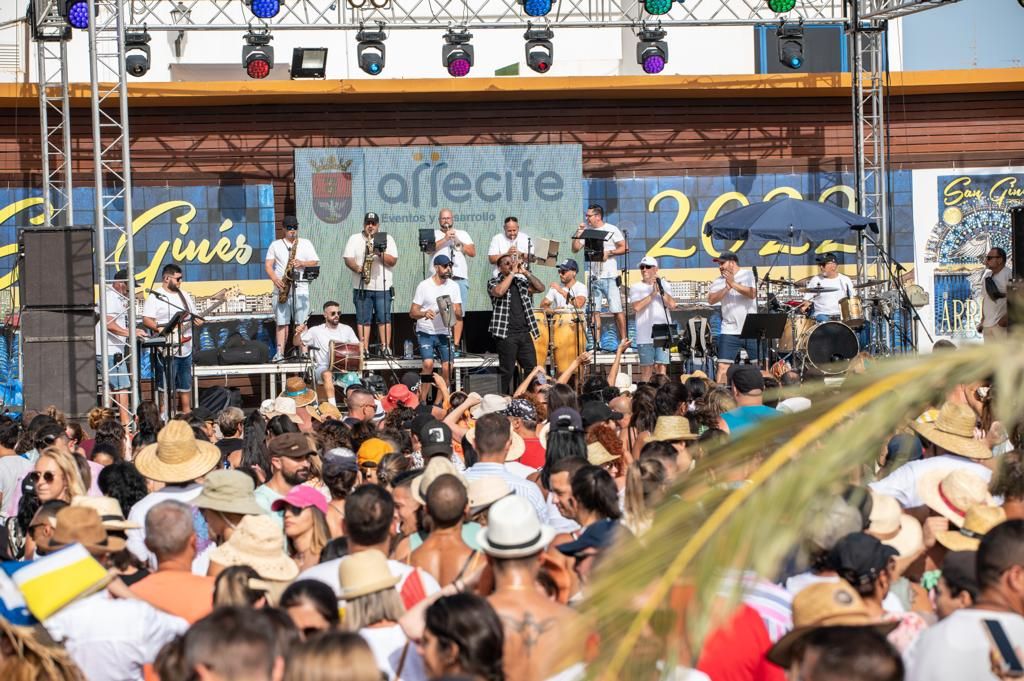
1017	241
57	268
484	382
59	357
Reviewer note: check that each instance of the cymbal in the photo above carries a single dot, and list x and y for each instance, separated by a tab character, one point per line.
778	282
817	289
869	282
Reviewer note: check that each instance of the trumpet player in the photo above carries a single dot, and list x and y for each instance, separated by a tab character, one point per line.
458	245
372	281
286	259
510	241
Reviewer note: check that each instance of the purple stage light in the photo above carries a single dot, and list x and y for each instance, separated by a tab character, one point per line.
654	63
458	67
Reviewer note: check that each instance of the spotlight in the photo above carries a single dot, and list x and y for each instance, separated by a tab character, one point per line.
780	6
652	50
76	12
136	53
657	7
536	8
264	9
309	62
457	53
791	45
370	50
257	54
540	53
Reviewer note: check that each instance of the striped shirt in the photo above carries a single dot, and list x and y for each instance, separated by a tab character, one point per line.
520	486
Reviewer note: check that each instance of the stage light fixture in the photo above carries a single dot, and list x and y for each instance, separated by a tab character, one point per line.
257	54
540	52
264	9
76	12
536	8
781	6
791	45
657	7
457	53
309	62
370	51
652	50
136	53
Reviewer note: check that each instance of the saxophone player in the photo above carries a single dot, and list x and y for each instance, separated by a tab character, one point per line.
372	280
286	258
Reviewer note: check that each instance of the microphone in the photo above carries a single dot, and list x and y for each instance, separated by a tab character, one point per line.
661	289
156	294
754	270
444	307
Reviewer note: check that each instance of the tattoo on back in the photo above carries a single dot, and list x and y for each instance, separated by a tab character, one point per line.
528	628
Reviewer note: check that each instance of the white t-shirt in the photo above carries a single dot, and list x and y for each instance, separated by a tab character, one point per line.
356	248
388	644
828	303
278	253
609	269
427	293
321	337
500	245
558	300
137	537
117	307
162	311
328	574
460	268
958	647
901	484
653	313
993	310
735	306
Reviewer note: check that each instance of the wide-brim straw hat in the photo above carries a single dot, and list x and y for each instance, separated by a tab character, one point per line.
228	491
296	389
953	430
951	492
891	526
670	428
363	573
323	411
436	467
977	523
82	525
284	406
485	491
825	604
598	454
259	543
176	456
513	529
109	510
515	450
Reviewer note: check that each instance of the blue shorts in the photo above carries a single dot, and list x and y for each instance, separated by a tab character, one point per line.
119	378
433	346
463	290
729	346
182	370
283	311
372	305
605	289
650	354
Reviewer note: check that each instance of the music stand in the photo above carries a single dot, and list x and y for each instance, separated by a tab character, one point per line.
310	273
593	244
167	351
427	243
764	328
664	336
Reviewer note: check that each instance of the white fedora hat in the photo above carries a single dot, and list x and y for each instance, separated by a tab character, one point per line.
513	529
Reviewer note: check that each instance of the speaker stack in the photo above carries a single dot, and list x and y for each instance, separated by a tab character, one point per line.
58	319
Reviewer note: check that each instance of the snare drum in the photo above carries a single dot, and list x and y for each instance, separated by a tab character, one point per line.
829	347
852	309
345	357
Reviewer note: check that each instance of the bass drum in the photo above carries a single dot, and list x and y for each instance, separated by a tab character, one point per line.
829	347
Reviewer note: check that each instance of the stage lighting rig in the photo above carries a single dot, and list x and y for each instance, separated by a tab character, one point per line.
536	8
781	6
791	45
264	9
657	7
540	52
309	62
75	12
370	52
257	54
457	53
652	50
136	52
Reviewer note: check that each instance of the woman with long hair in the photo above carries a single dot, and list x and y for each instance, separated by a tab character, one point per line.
562	395
332	656
57	476
312	605
644	418
238	586
596	496
462	638
340	473
255	456
305	524
646	482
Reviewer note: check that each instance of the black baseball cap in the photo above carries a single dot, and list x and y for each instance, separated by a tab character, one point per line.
596	412
121	275
826	257
746	378
436	438
859	558
290	222
371	218
726	255
565	418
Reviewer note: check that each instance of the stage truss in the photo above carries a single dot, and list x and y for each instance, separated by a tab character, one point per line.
865	22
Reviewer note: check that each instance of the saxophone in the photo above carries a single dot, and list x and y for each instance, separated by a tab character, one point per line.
367	261
289	272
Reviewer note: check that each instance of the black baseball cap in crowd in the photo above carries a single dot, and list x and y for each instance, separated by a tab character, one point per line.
371	218
290	222
726	255
746	378
436	438
859	557
596	412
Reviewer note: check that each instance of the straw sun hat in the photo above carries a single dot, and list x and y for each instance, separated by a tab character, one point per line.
953	430
259	543
109	510
977	523
671	428
951	493
364	573
81	525
177	456
891	526
296	389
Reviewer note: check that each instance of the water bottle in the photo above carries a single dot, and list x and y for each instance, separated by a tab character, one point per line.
407	348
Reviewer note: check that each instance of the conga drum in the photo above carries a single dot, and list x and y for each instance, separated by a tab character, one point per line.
540	343
792	332
345	357
569	331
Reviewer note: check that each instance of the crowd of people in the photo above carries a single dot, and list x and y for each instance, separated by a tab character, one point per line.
415	536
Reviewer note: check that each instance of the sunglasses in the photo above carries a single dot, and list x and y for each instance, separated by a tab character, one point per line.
993	257
647	267
292	510
48	477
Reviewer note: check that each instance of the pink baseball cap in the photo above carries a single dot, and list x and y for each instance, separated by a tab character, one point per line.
301	496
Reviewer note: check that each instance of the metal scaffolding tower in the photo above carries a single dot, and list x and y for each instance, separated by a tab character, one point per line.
51	34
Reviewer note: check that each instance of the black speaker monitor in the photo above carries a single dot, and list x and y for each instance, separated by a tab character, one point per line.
57	267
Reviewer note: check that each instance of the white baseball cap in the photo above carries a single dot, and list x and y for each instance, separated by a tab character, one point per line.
649	261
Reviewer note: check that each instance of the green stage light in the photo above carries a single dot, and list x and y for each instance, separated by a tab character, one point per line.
780	6
657	7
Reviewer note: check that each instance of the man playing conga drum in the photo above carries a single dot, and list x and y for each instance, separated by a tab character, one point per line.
318	341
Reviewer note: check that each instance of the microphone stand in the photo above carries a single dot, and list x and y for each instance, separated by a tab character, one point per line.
891	264
625	283
169	352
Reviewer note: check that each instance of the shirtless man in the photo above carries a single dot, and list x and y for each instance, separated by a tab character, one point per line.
443	553
537	629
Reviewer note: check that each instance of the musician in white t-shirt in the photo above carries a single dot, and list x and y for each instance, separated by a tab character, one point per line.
510	241
736	290
458	245
605	284
431	330
567	292
158	309
826	304
117	334
317	341
372	298
652	305
296	307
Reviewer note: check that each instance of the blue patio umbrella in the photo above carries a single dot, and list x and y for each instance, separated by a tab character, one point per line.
788	219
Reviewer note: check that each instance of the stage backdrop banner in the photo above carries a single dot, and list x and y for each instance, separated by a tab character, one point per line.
960	213
407	186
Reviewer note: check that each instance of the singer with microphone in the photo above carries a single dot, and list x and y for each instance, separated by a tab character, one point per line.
736	290
826	303
160	306
513	324
652	305
317	340
458	245
434	322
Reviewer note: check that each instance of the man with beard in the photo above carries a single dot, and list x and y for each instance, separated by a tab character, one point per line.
432	334
160	306
317	341
512	324
289	461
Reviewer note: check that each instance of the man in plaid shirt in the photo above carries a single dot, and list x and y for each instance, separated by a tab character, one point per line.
513	323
